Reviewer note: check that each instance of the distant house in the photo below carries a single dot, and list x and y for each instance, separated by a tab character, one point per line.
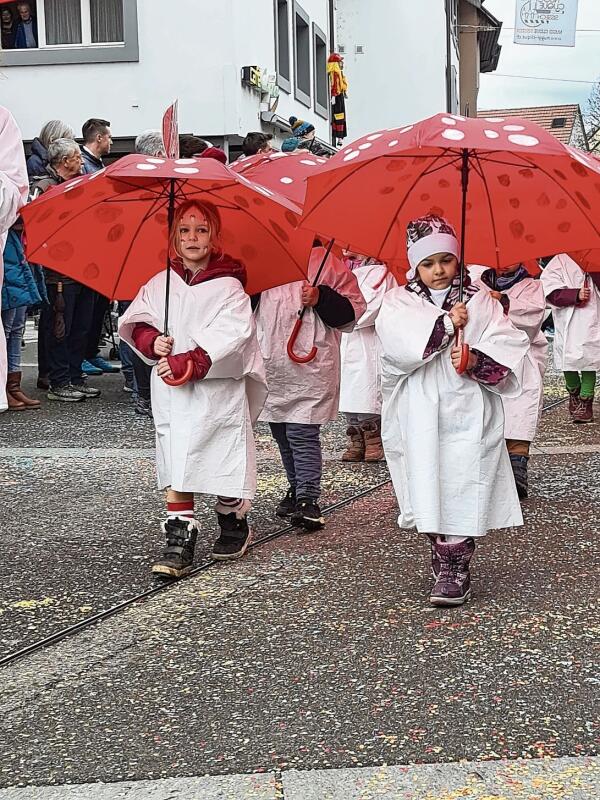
564	122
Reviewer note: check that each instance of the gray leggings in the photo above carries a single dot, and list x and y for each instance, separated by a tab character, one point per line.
300	448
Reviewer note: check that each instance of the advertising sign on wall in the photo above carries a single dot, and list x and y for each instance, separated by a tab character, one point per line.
546	22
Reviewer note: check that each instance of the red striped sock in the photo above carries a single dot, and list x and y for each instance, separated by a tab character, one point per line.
185	509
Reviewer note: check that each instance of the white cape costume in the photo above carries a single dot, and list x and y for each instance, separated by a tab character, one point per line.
13	194
204	437
304	393
360	387
577	328
443	433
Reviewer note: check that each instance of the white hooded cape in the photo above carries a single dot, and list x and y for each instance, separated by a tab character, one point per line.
577	328
360	388
304	393
443	433
13	194
204	437
526	312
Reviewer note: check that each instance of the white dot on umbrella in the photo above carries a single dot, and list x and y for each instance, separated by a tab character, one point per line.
374	136
157	161
448	121
513	127
492	134
453	134
278	155
524	141
350	156
97	174
74	184
494	119
365	146
349	150
308	162
393	143
187	170
286	180
146	167
184	161
407	129
322	160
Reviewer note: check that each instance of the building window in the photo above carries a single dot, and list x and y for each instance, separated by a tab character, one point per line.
282	44
321	82
301	55
68	31
559	122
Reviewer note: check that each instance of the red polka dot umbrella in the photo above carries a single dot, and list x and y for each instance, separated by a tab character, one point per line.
109	230
522	192
285	173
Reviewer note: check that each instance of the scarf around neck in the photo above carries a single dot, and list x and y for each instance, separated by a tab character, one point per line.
417	286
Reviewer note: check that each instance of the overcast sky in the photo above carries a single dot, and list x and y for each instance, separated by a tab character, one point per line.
581	63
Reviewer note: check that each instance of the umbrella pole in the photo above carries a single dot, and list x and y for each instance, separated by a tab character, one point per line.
298	324
464	359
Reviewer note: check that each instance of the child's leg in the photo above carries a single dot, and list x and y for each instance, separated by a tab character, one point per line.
573	382
305	441
588	385
235	534
355	451
450	560
279	432
585	409
518	451
181	531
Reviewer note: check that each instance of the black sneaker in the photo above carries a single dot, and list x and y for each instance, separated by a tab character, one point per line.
307	515
234	539
143	407
178	555
87	391
66	394
287	506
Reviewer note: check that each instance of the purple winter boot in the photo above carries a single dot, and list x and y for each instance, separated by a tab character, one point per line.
453	582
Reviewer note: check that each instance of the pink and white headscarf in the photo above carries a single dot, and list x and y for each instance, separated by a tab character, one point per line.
425	237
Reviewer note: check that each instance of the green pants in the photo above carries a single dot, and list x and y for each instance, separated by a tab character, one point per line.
584	383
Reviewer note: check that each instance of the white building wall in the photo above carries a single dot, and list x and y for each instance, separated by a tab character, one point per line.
401	75
195	55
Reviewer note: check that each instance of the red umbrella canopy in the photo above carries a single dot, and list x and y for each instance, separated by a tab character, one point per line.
528	194
285	173
109	230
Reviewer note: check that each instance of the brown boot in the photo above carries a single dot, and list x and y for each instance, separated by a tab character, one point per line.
356	448
14	404
373	446
13	387
573	402
584	412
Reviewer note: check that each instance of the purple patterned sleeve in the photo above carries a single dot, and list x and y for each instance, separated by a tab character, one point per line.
487	371
438	340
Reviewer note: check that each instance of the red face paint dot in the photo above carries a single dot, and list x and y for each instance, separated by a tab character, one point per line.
583	200
107	214
91	271
386	190
116	233
579	169
526	173
517	229
543	200
515	202
279	231
248	252
504	180
564	227
241	201
61	251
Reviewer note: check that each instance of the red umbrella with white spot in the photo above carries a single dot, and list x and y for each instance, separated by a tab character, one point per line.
511	188
110	230
285	173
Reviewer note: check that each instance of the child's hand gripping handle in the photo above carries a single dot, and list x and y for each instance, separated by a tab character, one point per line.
292	342
585	292
465	352
189	371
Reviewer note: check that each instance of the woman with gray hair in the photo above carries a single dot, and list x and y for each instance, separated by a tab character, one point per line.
53	130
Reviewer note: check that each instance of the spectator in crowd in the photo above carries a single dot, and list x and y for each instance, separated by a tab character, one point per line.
64	323
257	142
23	286
216	153
97	141
303	138
7	25
150	143
26	35
53	130
191	146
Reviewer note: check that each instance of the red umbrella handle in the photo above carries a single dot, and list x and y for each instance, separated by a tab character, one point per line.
189	370
586	285
291	343
464	354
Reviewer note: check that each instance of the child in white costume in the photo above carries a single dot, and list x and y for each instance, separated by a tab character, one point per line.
360	388
302	397
523	301
204	436
575	301
443	432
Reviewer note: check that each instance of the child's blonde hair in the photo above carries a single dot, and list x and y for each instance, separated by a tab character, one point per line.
212	216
